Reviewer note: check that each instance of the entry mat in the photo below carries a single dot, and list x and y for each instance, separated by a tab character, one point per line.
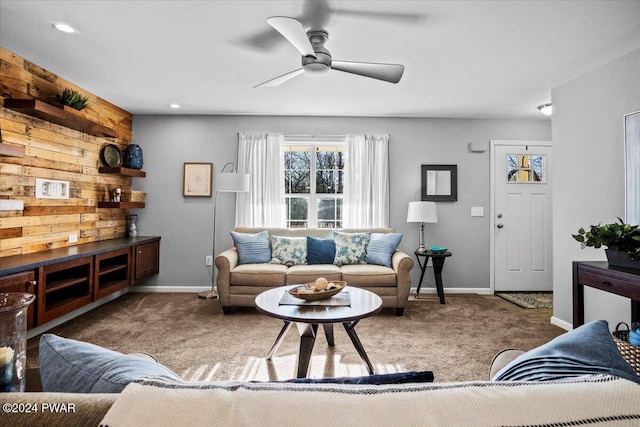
528	299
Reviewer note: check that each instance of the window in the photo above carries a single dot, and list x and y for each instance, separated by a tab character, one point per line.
525	168
314	184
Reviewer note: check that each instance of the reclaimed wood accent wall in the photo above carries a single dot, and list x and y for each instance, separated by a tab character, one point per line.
55	152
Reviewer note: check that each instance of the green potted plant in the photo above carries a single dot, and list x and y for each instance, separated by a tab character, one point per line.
622	242
71	98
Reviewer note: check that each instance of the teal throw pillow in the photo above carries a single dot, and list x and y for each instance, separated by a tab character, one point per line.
351	248
320	251
288	250
381	248
70	366
252	248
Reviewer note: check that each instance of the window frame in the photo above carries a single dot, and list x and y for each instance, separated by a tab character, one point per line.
312	197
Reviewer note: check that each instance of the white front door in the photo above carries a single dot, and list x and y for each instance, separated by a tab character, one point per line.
522	216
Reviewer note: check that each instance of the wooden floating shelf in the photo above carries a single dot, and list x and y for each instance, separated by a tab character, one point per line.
121	205
61	116
122	171
7	150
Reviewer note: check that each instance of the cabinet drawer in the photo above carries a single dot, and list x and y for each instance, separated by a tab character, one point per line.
609	283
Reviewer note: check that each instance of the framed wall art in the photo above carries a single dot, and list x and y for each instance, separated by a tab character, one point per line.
197	179
439	183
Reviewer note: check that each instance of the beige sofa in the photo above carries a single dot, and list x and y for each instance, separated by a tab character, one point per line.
238	285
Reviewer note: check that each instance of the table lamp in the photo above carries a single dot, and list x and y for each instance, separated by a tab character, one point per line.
422	212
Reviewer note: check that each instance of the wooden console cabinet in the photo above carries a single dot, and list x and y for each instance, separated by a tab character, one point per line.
66	279
598	274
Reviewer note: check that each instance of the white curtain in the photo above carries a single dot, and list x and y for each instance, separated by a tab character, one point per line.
366	182
259	154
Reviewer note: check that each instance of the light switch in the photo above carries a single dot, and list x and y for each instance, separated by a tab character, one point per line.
477	211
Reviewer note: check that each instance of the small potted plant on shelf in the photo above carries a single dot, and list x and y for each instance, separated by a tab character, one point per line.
71	98
622	242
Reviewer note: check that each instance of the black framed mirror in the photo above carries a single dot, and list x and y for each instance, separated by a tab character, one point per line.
439	183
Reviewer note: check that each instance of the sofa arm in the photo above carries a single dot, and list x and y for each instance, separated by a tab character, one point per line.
226	261
402	265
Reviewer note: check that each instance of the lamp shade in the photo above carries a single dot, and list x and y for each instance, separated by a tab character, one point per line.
232	182
422	212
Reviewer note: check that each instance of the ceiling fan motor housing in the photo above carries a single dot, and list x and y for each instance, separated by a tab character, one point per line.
322	62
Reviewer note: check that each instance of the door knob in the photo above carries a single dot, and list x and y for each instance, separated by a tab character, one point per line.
500	225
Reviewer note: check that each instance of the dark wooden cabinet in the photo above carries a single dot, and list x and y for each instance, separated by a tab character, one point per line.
112	272
64	287
147	260
22	282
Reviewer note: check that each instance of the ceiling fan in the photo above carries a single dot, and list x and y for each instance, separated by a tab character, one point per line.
316	59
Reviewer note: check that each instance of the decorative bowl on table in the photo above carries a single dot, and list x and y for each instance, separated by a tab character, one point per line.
437	249
313	292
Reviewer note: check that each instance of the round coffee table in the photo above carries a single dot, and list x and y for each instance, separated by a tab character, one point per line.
307	316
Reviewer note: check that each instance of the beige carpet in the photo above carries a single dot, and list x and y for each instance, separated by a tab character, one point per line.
456	341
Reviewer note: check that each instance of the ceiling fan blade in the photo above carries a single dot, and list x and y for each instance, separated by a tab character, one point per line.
277	81
293	31
410	18
391	73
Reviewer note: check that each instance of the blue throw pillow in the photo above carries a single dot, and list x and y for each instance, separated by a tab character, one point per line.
320	251
381	248
351	248
587	350
252	248
71	366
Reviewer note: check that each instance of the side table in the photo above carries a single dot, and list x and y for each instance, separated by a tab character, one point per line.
438	265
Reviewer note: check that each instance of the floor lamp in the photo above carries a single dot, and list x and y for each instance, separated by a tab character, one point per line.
422	212
229	182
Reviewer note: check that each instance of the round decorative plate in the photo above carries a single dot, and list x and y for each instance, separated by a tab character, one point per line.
111	156
307	291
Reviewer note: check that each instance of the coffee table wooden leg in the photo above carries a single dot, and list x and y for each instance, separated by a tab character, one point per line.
328	332
279	339
308	333
351	331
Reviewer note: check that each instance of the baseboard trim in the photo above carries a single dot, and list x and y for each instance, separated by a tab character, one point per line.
479	291
561	323
169	289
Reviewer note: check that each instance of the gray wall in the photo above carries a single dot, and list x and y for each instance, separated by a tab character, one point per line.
588	154
185	224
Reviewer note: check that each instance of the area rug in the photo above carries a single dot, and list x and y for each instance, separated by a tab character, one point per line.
528	299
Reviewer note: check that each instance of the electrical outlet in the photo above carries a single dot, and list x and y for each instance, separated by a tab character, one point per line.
477	211
208	260
73	238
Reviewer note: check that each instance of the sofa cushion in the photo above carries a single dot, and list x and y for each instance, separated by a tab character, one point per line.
71	366
259	274
309	273
368	275
252	248
586	350
381	247
351	248
288	250
320	251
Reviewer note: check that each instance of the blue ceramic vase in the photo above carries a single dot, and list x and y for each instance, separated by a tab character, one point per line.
132	157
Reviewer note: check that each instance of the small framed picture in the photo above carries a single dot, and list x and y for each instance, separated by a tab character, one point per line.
197	179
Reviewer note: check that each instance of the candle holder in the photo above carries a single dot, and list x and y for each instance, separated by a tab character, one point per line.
13	340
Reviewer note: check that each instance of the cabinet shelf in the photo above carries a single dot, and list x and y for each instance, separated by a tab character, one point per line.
122	171
121	205
8	150
112	268
61	116
65	283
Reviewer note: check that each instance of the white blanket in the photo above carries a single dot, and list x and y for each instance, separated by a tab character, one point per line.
585	401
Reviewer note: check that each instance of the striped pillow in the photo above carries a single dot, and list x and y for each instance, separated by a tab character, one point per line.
381	248
252	248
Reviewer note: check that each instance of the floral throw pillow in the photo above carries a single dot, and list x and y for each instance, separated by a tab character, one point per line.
351	248
288	250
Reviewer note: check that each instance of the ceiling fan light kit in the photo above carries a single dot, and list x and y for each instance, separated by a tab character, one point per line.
317	60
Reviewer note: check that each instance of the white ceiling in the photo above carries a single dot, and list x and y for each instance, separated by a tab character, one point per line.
473	59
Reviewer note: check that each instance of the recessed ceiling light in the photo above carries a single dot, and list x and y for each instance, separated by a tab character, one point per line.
174	106
65	28
546	109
